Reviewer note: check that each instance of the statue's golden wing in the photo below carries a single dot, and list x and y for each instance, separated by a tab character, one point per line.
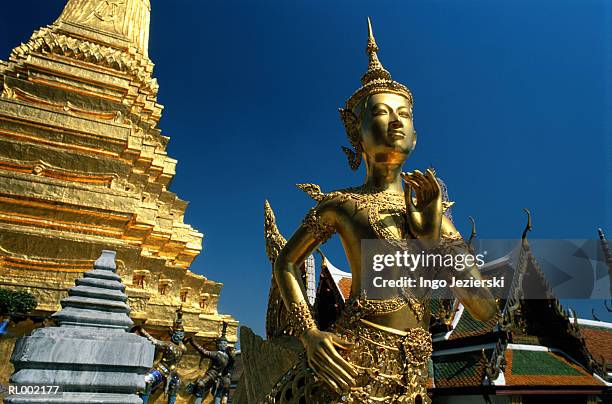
277	320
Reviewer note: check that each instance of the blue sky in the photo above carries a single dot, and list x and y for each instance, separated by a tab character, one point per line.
513	104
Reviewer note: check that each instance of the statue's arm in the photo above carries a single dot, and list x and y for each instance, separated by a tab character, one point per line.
201	350
287	266
155	341
479	301
321	347
316	228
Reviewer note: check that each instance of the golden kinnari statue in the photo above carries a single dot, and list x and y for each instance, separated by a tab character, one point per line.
377	350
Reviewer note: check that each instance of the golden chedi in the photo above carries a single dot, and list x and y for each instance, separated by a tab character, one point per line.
83	167
375	350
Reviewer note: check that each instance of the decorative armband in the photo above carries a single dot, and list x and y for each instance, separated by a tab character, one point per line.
301	318
315	225
451	236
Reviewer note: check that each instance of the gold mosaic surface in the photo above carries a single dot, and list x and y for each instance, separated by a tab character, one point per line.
83	167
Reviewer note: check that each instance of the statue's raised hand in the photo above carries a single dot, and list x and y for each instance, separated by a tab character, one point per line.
424	215
321	351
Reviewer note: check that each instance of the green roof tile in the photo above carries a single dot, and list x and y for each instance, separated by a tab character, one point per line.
459	369
469	326
540	363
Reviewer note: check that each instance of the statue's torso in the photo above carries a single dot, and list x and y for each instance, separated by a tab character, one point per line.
218	363
171	356
360	217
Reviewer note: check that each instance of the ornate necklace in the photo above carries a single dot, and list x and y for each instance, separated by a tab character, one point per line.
376	203
394	204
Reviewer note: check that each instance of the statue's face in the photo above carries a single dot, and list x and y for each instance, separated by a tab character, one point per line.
177	337
221	345
386	130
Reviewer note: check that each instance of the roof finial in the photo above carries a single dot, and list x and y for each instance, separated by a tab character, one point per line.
608	257
473	234
528	225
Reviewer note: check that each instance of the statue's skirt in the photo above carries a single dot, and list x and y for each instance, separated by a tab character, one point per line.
392	366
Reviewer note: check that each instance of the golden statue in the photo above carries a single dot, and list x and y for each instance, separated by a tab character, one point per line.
377	350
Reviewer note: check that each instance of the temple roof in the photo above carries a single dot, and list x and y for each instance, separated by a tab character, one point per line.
598	338
468	326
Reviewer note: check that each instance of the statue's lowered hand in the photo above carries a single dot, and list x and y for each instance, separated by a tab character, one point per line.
323	357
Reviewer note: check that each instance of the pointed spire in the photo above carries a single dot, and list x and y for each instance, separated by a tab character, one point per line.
372	49
375	68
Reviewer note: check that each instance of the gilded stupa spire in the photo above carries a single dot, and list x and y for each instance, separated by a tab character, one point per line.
118	23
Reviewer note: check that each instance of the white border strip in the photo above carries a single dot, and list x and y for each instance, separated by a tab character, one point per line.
501	379
593	323
596	376
523	347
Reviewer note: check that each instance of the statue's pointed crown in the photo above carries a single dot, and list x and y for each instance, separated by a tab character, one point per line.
223	336
178	322
375	68
376	79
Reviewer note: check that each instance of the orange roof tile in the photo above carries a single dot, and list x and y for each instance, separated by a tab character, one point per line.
345	287
459	370
598	342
